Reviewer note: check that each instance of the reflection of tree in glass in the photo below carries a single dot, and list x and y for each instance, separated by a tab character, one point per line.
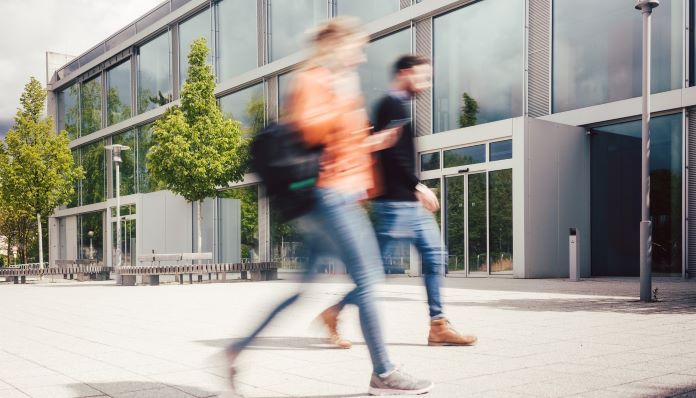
118	111
256	114
455	222
249	197
93	164
74	198
469	111
90	103
476	222
430	161
500	186
147	100
434	185
72	113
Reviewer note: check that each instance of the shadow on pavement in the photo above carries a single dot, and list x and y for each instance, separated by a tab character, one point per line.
285	343
588	304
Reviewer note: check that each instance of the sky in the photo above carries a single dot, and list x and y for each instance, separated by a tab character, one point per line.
30	28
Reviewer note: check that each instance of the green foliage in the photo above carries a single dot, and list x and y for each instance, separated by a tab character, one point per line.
469	111
249	198
256	111
37	171
117	110
195	149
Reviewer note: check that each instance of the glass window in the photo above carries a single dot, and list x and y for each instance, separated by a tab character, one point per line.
430	161
154	74
478	81
75	198
237	33
90	238
283	90
127	168
500	220
607	67
464	156
145	183
93	163
501	150
189	31
118	93
239	224
454	223
69	111
476	228
247	106
290	20
434	185
287	242
90	106
367	10
616	195
376	73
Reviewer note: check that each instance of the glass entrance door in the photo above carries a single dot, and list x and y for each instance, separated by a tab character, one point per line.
128	241
478	222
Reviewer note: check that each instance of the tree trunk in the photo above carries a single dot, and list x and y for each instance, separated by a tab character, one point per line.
200	233
38	221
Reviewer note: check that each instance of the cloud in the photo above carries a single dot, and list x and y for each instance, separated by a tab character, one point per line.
32	27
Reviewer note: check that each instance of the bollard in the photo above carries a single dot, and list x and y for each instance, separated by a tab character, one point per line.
573	256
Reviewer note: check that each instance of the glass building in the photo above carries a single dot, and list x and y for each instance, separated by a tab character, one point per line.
531	127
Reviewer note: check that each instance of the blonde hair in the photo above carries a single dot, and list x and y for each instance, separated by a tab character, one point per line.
326	38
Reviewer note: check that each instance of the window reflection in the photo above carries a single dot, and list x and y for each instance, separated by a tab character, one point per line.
500	220
290	20
118	95
607	66
464	156
475	80
376	73
127	168
90	236
239	224
145	183
247	106
367	10
93	163
154	74
237	33
615	196
430	161
189	31
501	150
90	106
69	111
287	242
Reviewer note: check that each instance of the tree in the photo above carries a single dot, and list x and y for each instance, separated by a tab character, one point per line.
469	111
195	148
37	171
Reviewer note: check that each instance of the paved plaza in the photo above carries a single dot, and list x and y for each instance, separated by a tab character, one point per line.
543	338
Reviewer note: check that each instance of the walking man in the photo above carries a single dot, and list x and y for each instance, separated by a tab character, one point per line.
404	211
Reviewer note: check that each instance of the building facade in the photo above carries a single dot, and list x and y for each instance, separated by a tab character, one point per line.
531	128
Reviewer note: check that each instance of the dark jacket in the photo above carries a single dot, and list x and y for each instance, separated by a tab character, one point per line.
398	162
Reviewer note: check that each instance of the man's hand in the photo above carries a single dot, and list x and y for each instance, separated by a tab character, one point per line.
427	198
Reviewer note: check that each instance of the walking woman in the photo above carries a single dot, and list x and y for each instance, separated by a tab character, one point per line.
325	105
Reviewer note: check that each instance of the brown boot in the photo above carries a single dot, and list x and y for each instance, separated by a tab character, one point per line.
442	333
330	319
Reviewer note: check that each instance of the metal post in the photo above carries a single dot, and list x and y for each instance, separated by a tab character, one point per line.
118	215
646	7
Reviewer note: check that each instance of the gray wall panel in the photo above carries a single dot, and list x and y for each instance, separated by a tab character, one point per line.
539	44
424	101
557	192
166	223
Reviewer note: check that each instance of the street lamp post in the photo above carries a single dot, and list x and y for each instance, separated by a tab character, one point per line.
646	7
91	248
116	159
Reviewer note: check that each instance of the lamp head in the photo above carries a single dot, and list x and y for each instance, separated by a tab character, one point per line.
116	151
90	234
649	4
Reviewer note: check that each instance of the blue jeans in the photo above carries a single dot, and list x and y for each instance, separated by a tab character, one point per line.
401	221
340	220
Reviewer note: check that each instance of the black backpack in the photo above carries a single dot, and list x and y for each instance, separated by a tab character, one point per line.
288	168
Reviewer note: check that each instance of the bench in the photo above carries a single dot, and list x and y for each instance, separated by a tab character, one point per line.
81	262
19	275
255	271
178	257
